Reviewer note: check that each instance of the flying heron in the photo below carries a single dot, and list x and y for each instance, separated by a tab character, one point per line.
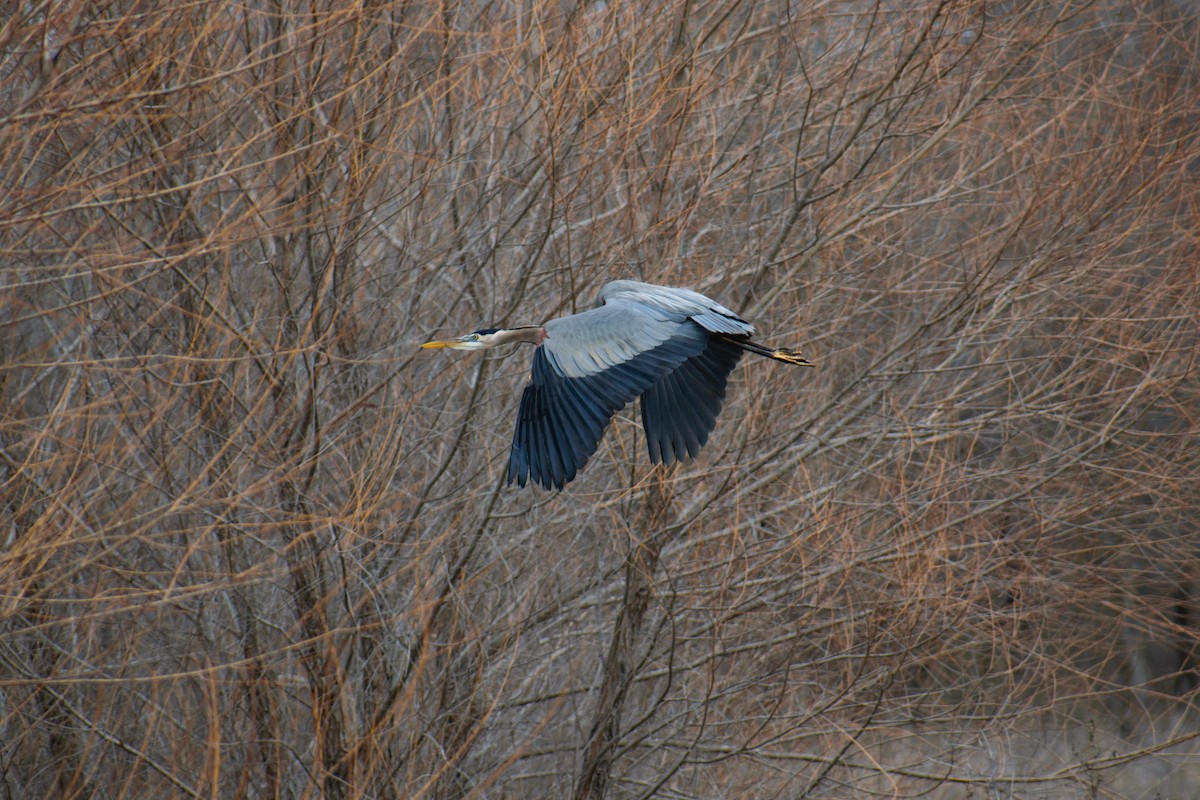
673	348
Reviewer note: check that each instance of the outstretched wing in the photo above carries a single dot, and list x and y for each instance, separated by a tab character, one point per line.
680	410
592	365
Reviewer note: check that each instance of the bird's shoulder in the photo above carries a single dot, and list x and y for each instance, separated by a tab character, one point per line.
679	303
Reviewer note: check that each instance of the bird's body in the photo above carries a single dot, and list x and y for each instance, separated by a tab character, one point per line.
672	348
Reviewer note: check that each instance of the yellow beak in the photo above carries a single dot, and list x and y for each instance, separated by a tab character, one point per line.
468	342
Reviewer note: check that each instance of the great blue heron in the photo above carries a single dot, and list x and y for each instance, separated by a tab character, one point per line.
673	348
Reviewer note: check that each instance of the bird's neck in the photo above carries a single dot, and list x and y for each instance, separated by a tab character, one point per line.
533	334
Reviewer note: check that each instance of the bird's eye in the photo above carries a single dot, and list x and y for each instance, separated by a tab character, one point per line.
475	337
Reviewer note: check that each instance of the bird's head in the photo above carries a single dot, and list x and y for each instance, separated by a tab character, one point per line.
475	340
484	338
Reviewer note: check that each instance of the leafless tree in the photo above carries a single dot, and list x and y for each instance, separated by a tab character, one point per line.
253	543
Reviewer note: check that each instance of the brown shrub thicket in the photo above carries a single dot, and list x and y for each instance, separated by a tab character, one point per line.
253	543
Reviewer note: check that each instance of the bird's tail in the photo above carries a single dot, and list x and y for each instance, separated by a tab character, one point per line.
779	354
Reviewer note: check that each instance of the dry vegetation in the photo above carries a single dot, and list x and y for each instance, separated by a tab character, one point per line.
254	544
